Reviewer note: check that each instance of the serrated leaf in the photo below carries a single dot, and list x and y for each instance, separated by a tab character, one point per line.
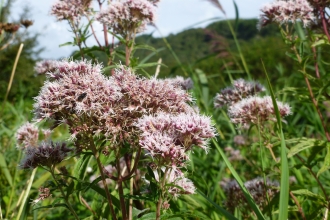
305	143
308	194
326	164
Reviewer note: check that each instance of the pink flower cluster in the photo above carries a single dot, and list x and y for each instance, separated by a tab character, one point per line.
70	9
260	191
27	135
56	69
168	137
179	81
78	88
241	89
287	11
255	110
44	66
245	108
182	185
127	16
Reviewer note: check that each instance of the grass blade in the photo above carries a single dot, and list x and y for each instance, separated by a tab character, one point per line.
284	188
240	182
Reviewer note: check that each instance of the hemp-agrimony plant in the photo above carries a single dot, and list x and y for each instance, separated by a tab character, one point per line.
135	125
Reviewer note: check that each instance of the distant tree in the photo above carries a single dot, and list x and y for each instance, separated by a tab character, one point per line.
25	84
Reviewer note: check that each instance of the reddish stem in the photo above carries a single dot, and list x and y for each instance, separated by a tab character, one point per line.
298	205
324	22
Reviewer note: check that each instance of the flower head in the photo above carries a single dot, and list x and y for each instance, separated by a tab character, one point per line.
27	135
241	89
128	15
259	190
168	137
182	185
46	154
70	9
79	88
286	11
44	66
179	81
254	110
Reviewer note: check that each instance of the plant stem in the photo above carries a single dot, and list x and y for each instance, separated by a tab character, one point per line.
162	184
121	191
298	205
131	185
324	22
99	164
63	194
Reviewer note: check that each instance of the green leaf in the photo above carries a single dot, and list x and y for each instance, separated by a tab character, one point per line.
308	194
148	65
205	87
149	216
224	212
246	193
4	168
143	46
81	165
326	164
305	143
66	44
51	206
137	212
319	42
70	189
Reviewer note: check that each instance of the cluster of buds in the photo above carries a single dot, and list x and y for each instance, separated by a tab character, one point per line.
127	16
44	194
9	27
39	151
46	154
287	12
261	192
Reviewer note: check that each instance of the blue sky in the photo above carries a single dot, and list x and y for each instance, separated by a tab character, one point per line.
172	17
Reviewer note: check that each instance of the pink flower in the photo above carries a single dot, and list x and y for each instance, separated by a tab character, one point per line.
70	9
27	135
181	82
182	185
254	110
287	12
241	89
168	137
127	16
44	66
